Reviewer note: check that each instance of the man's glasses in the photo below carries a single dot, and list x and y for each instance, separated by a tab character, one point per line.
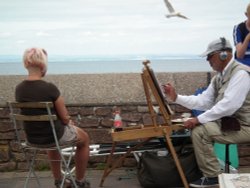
209	56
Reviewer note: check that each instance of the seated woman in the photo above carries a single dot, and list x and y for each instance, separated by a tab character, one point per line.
34	89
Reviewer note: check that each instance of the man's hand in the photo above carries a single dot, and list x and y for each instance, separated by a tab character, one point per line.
170	91
191	123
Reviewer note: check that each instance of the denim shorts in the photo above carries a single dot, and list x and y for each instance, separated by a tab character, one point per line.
68	135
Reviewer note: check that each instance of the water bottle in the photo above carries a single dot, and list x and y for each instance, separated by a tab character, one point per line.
117	121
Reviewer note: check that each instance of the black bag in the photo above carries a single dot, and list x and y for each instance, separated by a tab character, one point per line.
161	172
229	123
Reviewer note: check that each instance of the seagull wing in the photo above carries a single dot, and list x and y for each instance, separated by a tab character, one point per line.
182	16
169	6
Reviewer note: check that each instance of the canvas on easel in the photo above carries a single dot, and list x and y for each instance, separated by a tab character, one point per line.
145	133
153	91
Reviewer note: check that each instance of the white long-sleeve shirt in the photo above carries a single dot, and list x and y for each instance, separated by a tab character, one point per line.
234	96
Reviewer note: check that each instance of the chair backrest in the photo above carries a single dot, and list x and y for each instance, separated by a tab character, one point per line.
16	116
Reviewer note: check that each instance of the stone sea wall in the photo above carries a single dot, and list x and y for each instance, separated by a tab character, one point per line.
91	99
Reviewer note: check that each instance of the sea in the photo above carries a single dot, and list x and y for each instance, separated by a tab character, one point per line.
12	64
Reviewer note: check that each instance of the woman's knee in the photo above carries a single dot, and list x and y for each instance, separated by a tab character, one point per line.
82	136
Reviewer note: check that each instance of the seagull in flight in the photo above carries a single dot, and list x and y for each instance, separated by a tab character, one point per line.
172	12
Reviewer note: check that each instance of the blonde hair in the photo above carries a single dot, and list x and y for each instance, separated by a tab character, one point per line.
36	57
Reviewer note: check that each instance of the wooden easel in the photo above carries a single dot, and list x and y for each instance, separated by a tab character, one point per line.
146	133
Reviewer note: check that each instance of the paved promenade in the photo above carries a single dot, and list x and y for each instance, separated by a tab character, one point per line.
119	178
122	178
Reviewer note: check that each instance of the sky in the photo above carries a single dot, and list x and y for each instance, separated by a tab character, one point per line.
115	27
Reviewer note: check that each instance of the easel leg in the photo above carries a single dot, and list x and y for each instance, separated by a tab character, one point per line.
111	166
176	160
107	167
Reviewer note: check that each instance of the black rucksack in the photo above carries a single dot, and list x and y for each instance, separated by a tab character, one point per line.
161	172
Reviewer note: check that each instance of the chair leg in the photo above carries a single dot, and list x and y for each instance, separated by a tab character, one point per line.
32	171
66	152
227	159
67	171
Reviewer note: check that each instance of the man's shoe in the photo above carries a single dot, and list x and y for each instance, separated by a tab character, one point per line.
84	184
205	182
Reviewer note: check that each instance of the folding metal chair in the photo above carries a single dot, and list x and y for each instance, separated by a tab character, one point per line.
30	151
